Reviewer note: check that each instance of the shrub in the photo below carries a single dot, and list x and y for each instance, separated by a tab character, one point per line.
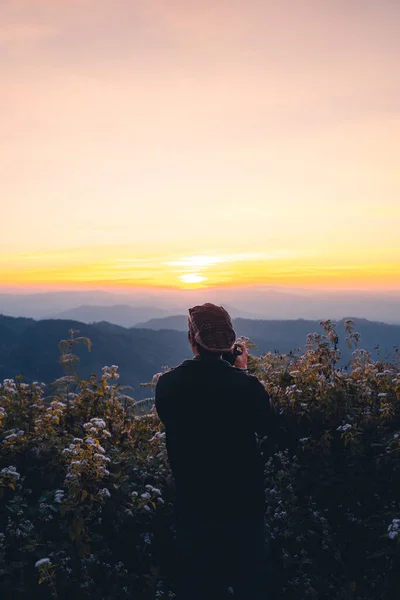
87	500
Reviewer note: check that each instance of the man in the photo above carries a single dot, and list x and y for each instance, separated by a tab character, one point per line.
211	411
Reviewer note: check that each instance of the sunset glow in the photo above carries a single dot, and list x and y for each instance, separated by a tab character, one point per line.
101	269
191	145
192	278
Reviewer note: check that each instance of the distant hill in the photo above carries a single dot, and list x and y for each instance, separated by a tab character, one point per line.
252	302
289	334
42	305
178	322
30	348
285	335
120	314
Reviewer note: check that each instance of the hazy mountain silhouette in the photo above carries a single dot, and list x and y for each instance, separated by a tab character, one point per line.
121	314
177	322
44	304
257	302
285	335
30	348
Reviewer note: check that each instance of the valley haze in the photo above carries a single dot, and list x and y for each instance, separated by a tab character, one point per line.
130	307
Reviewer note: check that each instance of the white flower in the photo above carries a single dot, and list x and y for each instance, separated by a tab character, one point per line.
94	423
147	508
13	433
101	457
59	496
382	395
146	496
152	489
394	529
11	471
42	561
57	404
344	428
98	423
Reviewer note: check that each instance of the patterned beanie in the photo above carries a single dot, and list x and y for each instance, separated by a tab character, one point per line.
211	327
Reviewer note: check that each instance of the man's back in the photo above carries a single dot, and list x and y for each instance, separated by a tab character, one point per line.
211	413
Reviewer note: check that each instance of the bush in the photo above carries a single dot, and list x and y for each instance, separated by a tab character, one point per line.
87	501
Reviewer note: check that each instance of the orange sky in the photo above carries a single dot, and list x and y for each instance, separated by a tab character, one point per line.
183	143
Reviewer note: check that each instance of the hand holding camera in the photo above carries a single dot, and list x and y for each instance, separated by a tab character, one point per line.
238	356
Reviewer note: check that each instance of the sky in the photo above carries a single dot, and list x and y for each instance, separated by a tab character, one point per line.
184	144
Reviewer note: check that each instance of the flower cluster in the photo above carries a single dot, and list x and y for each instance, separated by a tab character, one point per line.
344	428
394	529
110	372
10	473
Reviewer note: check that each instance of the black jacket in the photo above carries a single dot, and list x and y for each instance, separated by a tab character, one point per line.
211	412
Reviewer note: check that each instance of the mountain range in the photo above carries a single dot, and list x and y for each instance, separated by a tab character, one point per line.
118	314
31	348
130	307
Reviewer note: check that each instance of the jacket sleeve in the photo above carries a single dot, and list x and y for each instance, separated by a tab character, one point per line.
163	400
264	412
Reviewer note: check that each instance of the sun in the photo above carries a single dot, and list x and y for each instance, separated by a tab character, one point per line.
192	278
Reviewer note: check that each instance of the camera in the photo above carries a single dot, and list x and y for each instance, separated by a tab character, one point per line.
232	355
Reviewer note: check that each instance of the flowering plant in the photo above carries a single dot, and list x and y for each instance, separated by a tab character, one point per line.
87	500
